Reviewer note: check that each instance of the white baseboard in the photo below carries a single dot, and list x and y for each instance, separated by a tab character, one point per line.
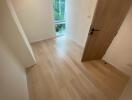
45	38
78	43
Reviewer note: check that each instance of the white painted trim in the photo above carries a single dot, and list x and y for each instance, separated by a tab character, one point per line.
75	41
22	33
46	38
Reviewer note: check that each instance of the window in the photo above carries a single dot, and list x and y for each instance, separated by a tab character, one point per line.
59	10
59	15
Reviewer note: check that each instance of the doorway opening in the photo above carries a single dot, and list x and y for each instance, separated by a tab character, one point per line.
59	16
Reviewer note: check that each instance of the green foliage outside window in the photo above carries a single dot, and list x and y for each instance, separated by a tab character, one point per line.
59	9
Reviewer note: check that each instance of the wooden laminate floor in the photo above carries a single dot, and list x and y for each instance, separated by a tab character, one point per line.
60	74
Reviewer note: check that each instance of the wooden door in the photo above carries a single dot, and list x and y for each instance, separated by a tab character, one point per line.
107	20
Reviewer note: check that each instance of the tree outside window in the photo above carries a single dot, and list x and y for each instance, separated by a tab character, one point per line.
59	10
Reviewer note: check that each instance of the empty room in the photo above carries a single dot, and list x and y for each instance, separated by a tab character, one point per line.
66	50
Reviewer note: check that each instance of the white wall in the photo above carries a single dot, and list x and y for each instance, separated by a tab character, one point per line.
79	14
13	34
36	18
13	84
120	53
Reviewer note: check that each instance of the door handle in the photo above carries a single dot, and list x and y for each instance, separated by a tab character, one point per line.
93	30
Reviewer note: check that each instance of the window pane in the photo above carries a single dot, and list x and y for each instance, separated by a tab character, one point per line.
59	9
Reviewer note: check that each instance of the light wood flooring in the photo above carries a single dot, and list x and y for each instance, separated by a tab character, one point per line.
60	74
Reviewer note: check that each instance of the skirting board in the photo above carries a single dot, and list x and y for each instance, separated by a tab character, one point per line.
81	45
45	38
